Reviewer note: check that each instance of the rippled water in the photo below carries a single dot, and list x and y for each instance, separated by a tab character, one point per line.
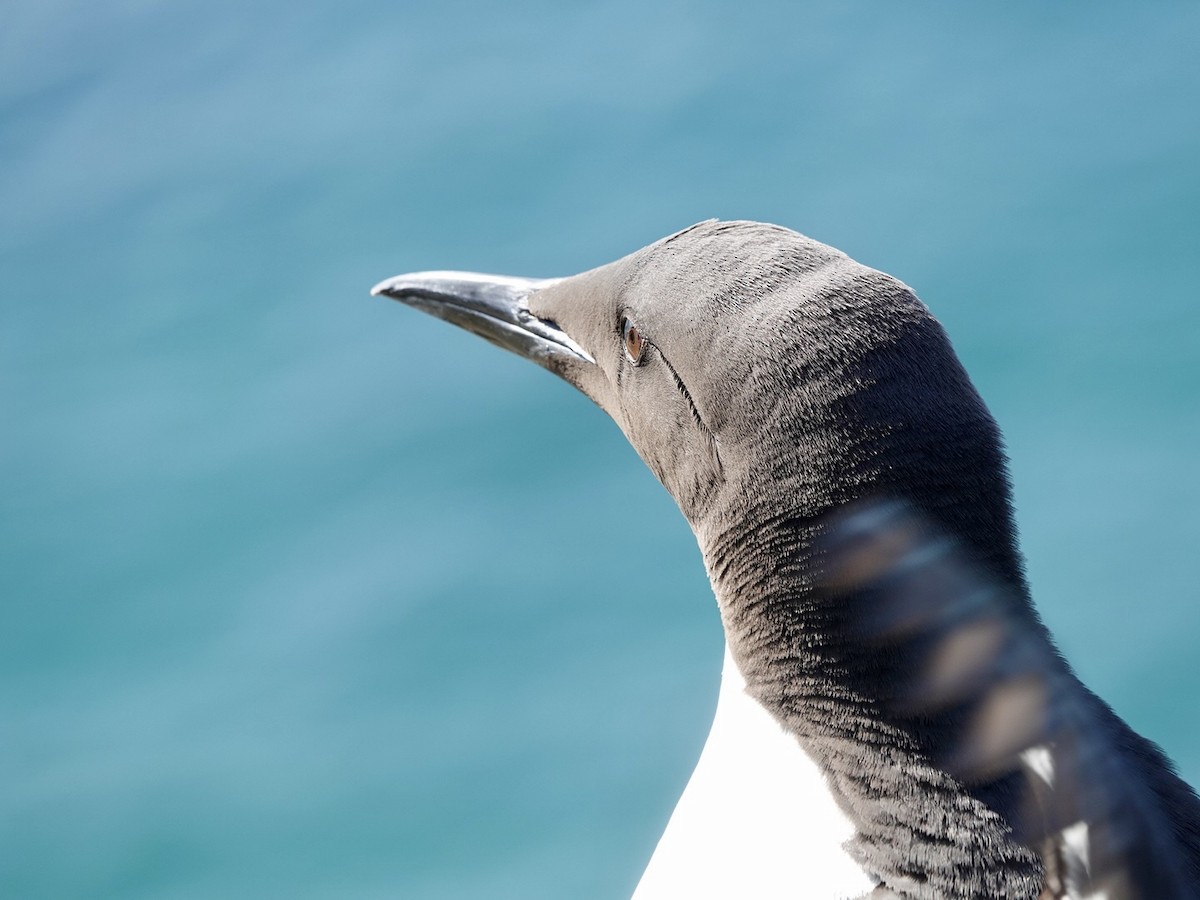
306	595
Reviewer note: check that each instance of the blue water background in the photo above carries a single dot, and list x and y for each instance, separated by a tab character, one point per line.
303	594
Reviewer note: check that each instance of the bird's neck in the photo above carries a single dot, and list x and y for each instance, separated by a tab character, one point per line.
760	545
777	629
802	663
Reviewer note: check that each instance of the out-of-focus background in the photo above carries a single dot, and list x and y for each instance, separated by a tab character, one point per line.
305	594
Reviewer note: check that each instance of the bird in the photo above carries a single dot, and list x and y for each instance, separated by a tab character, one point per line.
894	720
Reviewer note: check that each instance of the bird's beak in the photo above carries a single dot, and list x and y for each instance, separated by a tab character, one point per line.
495	307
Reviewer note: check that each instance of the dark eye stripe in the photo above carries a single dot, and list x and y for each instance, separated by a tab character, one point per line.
700	423
635	351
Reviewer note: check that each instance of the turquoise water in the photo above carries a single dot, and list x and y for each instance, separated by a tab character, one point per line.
307	595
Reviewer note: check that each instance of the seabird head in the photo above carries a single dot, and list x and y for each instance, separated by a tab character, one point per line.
768	379
759	373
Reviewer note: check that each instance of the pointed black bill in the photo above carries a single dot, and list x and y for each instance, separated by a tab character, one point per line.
495	307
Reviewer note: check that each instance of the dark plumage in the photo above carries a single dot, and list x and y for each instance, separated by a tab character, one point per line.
774	382
959	654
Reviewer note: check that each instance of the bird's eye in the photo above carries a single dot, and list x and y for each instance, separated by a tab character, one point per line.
634	343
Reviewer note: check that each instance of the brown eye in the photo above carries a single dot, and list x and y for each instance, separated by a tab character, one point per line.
634	344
